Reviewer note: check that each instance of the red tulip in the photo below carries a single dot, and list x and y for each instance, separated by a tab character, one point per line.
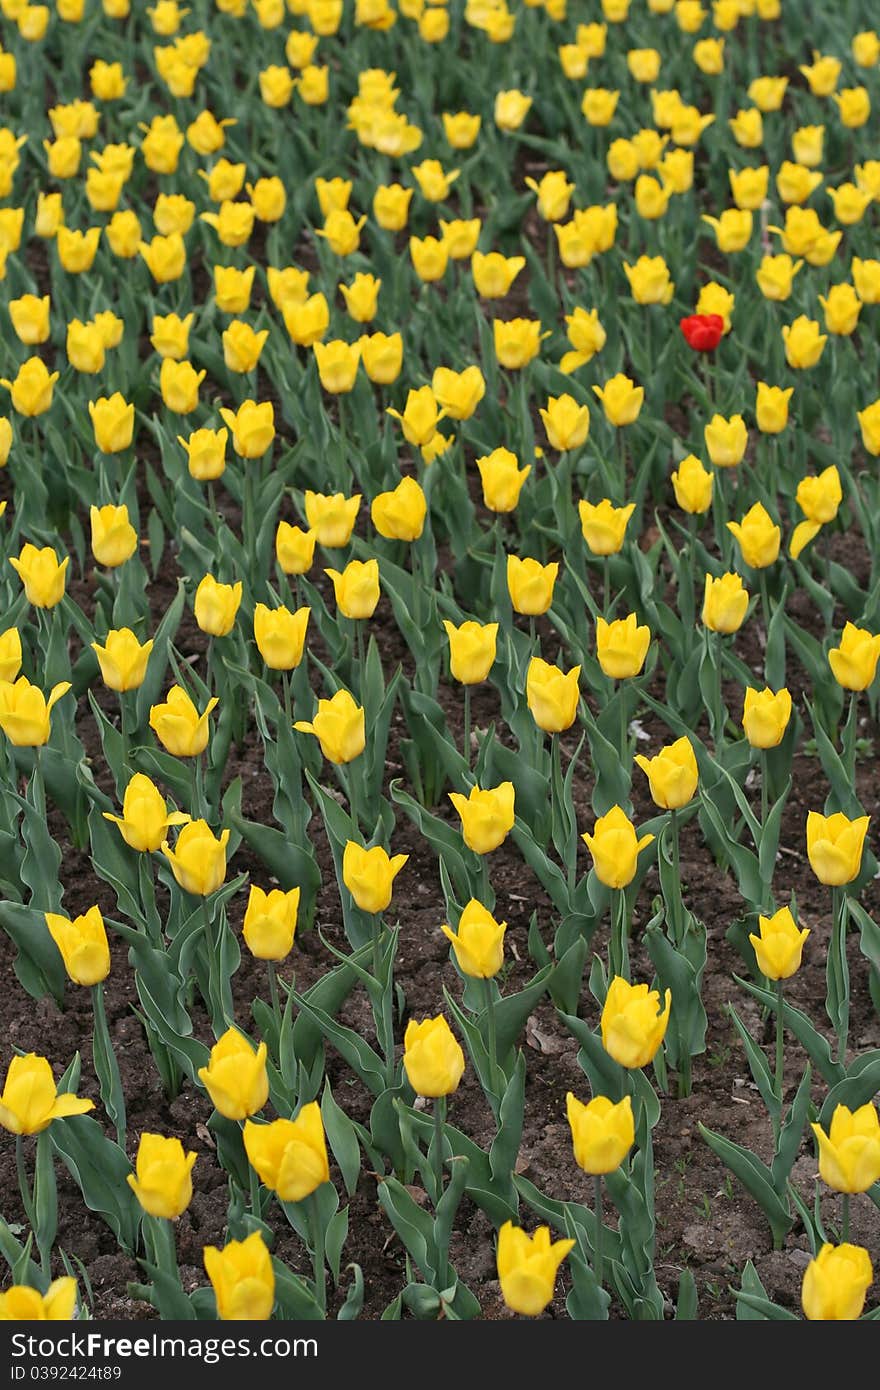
703	332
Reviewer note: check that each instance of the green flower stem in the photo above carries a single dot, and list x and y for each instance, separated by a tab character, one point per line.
765	786
849	736
359	653
496	1079
619	952
437	1147
159	1239
24	1186
124	731
255	1199
844	1218
719	697
273	991
466	737
765	598
383	1012
780	1056
199	806
840	916
317	1236
606	586
677	933
624	727
598	1237
285	695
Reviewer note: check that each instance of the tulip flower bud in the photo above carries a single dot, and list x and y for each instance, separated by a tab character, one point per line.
869	422
587	337
391	206
472	650
527	1267
517	342
530	585
771	411
621	400
834	846
835	1284
672	774
235	1077
400	514
552	695
243	1279
178	725
725	601
502	479
775	275
604	525
420	417
216	606
759	537
432	1057
633	1024
270	922
849	1154
602	1133
290	1156
332	517
30	318
145	817
337	365
779	945
114	539
113	423
339	728
458	393
10	654
24	711
356	588
553	192
854	662
294	548
253	428
842	307
42	575
369	874
765	716
123	660
461	129
486	816
693	485
726	440
615	848
28	1102
21	1303
567	423
819	497
804	344
494	274
82	943
198	860
478	942
280	635
621	646
162	1181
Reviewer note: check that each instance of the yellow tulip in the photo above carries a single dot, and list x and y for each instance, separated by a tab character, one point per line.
82	943
400	514
765	716
604	526
243	1279
672	774
205	454
356	588
866	275
502	479
20	1303
369	874
382	356
24	711
715	299
552	695
486	815
145	817
270	922
294	548
615	848
290	1156
834	846
804	344
836	1282
494	274
10	654
517	342
162	1181
553	192
849	1154
337	365
693	486
391	206
113	423
198	860
854	662
165	257
458	393
472	649
242	346
339	728
280	635
598	105
478	941
726	440
779	944
527	1267
842	307
332	517
511	108
178	725
530	585
216	605
758	537
567	423
587	338
771	411
621	646
725	601
341	231
869	423
621	400
602	1133
32	388
633	1023
123	659
30	318
432	1057
649	280
235	1077
252	426
42	574
29	1103
421	416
